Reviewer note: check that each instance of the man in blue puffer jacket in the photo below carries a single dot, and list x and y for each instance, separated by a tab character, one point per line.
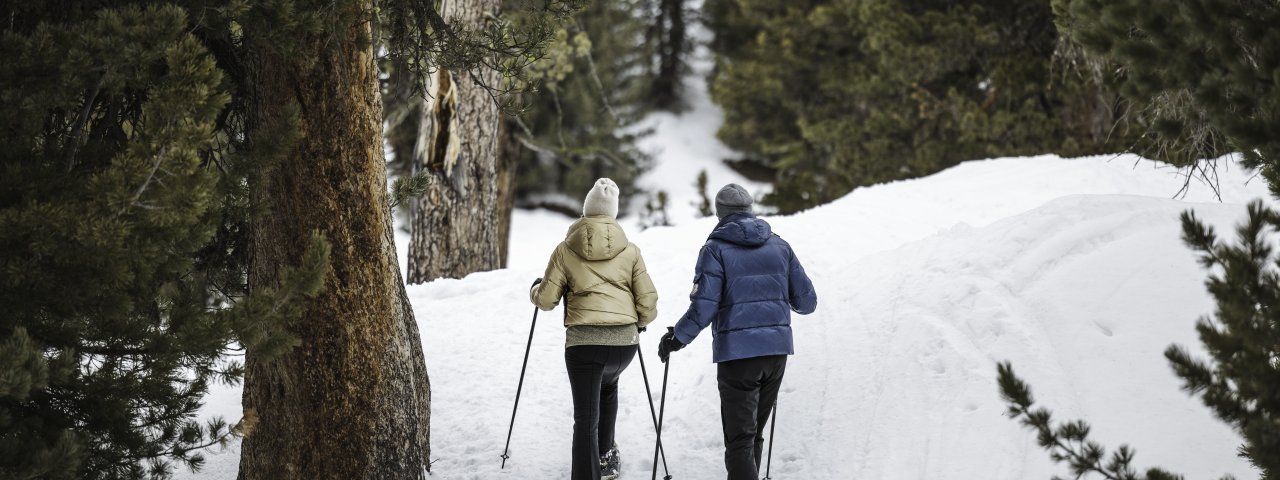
745	286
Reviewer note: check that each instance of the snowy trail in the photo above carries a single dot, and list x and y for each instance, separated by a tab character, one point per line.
894	375
1072	269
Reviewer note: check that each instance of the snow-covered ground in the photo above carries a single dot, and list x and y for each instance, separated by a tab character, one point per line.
1070	268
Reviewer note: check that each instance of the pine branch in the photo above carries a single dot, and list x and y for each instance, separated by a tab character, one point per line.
412	186
1240	381
155	167
1069	442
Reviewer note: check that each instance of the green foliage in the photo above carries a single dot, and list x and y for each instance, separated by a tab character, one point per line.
552	69
580	125
534	45
123	283
1069	441
26	370
420	39
1203	73
416	39
126	206
1241	381
411	186
837	94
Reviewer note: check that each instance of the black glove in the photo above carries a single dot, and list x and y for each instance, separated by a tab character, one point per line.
668	344
641	329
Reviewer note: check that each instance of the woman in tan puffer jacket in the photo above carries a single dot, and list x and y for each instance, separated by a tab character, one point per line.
609	297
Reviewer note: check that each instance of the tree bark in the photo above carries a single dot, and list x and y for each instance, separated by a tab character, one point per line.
352	401
456	222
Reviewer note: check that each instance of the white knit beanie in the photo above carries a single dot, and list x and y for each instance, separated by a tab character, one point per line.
602	199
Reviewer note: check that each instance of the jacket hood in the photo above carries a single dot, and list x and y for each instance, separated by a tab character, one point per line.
598	237
743	229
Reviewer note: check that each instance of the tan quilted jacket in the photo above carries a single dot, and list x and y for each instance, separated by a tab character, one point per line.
600	274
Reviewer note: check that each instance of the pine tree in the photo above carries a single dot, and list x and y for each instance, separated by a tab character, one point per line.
1240	381
579	123
835	94
164	179
353	399
124	298
1202	73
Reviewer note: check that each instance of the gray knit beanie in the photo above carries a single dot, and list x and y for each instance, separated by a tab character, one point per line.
732	199
602	199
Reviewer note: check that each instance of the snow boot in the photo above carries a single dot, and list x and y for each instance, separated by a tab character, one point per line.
610	465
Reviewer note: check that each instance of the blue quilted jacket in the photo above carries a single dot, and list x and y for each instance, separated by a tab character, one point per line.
746	284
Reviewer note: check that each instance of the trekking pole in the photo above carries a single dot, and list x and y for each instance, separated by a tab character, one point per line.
662	410
520	386
773	426
653	414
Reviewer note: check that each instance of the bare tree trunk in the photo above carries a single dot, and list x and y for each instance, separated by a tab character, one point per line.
351	401
455	226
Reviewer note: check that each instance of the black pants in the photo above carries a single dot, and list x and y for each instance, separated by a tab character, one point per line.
748	390
593	376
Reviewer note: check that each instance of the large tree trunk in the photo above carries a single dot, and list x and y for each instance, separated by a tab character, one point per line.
456	222
352	401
